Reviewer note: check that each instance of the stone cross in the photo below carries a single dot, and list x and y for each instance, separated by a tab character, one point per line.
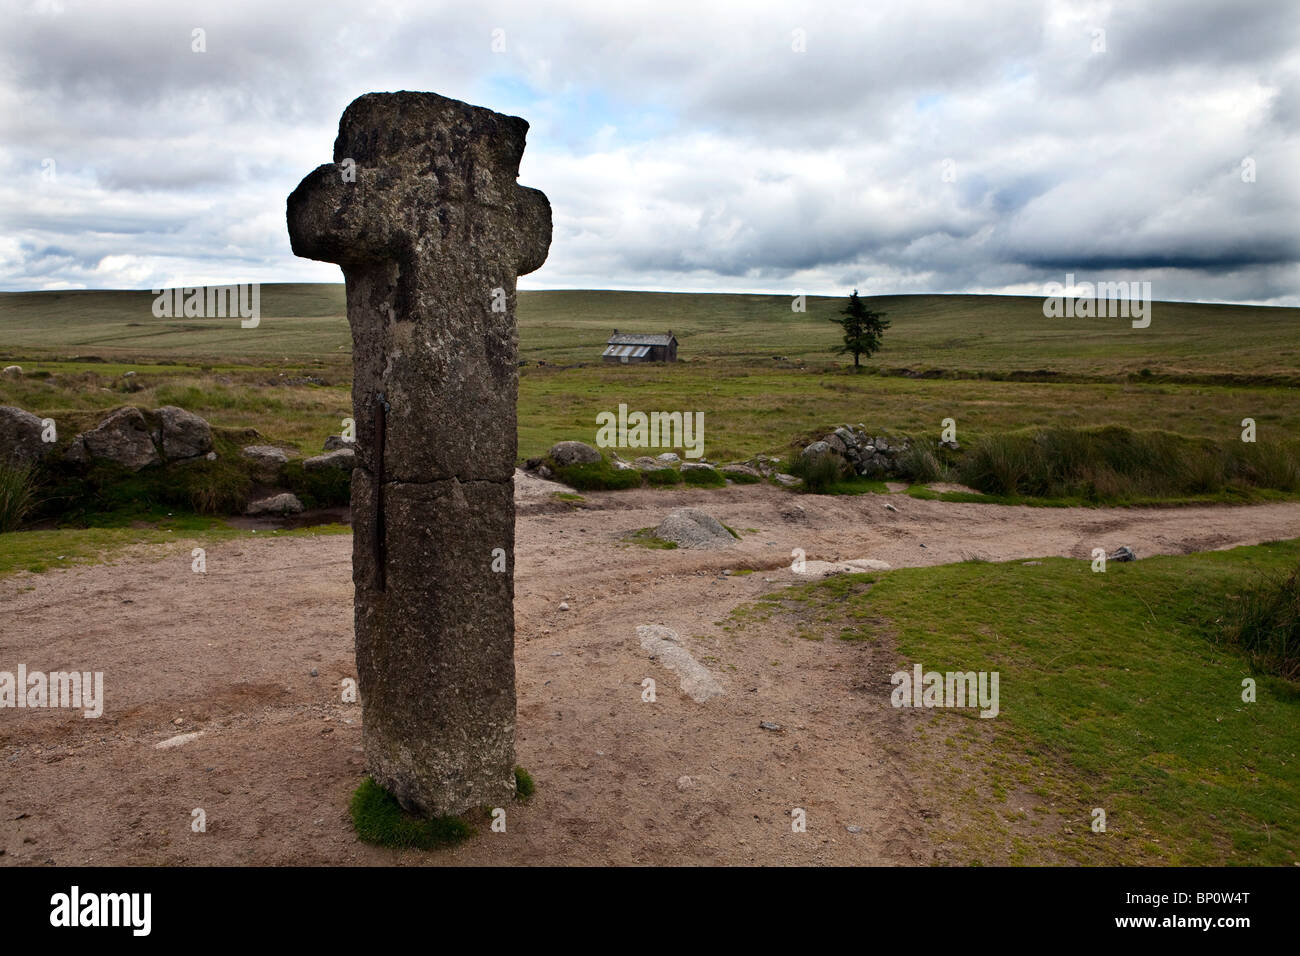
422	211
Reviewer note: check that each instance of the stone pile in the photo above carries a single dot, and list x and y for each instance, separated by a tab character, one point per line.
870	456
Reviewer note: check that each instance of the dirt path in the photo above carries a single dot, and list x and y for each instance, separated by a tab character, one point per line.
231	652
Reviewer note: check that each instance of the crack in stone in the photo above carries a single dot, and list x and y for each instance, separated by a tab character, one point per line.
439	737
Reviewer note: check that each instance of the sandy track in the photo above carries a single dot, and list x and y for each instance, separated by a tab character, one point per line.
231	653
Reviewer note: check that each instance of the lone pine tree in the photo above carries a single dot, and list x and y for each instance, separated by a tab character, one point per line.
863	329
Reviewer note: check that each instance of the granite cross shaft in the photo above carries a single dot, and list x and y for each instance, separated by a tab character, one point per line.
422	211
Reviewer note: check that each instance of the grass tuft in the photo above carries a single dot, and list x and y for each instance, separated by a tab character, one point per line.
663	477
819	474
1264	622
597	476
703	478
525	785
380	819
17	495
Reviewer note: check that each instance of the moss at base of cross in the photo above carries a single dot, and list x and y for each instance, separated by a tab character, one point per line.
379	819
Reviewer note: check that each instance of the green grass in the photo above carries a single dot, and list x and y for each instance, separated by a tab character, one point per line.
1116	692
379	819
17	495
703	478
742	478
43	550
597	476
993	363
1264	622
1116	465
990	335
662	477
525	786
646	538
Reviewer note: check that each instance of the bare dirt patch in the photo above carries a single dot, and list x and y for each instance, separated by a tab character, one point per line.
231	654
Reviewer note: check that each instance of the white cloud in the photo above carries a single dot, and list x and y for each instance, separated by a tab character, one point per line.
684	145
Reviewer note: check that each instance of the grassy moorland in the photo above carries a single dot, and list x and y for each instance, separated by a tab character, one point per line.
1121	690
762	374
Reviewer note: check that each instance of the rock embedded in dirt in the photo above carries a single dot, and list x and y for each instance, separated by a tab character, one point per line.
281	504
341	458
786	481
692	528
12	371
566	453
823	569
335	442
741	469
1124	553
663	645
20	437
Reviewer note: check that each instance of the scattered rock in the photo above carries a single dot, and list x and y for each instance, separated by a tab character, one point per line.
663	645
12	371
282	504
178	740
182	434
267	461
335	442
889	507
342	458
818	449
1124	553
788	481
567	453
739	469
824	569
853	829
768	725
123	437
564	605
668	458
692	528
20	437
684	782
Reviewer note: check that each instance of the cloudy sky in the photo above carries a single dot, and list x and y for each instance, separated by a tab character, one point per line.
914	146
